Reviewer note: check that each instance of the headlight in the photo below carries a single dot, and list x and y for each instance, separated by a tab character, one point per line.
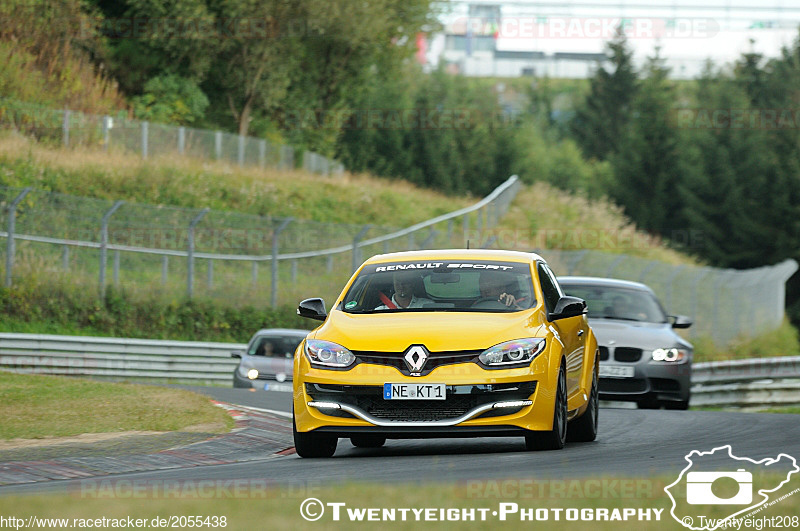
670	354
328	353
513	352
252	374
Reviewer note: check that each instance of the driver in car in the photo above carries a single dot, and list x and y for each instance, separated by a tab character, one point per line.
494	286
405	283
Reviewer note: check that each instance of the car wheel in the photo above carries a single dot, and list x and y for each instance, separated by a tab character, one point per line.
368	441
555	438
648	403
682	405
313	444
584	428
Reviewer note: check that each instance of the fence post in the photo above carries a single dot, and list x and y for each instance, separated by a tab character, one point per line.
210	273
294	271
65	128
356	239
65	258
241	150
190	253
217	145
274	280
181	140
106	130
262	153
254	274
12	221
164	269
104	244
116	267
145	131
329	263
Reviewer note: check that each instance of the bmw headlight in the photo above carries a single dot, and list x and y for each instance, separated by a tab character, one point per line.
514	352
328	353
252	374
672	355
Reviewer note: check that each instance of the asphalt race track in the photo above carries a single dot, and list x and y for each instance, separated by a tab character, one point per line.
631	443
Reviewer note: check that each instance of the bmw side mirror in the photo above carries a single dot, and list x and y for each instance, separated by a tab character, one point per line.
236	353
680	321
567	307
313	309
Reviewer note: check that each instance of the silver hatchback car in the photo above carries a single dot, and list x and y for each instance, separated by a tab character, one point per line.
268	360
642	359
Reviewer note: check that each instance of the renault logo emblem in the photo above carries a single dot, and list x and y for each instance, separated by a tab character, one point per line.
415	358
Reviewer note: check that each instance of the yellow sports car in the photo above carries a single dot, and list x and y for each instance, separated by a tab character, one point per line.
455	343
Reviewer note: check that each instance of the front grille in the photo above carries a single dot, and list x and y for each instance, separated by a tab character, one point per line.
435	359
603	353
627	354
620	385
460	399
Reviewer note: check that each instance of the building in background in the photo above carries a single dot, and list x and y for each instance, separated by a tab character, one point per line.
566	38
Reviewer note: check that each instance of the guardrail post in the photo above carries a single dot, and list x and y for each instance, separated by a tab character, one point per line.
12	221
164	269
356	239
181	140
254	274
329	263
104	244
294	271
190	253
450	231
466	227
210	273
273	300
65	258
116	268
145	131
217	145
65	128
240	154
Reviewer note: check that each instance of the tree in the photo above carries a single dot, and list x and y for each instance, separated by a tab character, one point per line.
602	118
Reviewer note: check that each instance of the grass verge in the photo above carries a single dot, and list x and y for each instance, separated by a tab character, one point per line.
259	502
782	341
35	406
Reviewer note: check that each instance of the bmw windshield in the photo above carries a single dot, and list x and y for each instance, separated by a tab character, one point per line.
464	286
608	302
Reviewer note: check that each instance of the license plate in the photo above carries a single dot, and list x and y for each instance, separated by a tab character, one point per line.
410	391
282	387
615	371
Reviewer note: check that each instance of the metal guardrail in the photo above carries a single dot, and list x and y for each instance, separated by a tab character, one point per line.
119	359
751	383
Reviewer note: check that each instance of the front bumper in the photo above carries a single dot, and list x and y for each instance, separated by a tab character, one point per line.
479	402
651	381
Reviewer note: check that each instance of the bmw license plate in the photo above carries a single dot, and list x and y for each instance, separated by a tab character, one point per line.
409	391
615	371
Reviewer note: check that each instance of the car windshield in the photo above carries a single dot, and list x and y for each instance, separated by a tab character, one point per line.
607	302
463	286
276	346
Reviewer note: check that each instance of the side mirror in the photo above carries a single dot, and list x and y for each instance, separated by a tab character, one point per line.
567	307
236	353
313	309
680	321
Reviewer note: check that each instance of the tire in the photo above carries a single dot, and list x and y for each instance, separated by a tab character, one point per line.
368	441
648	403
584	428
555	438
313	444
681	405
